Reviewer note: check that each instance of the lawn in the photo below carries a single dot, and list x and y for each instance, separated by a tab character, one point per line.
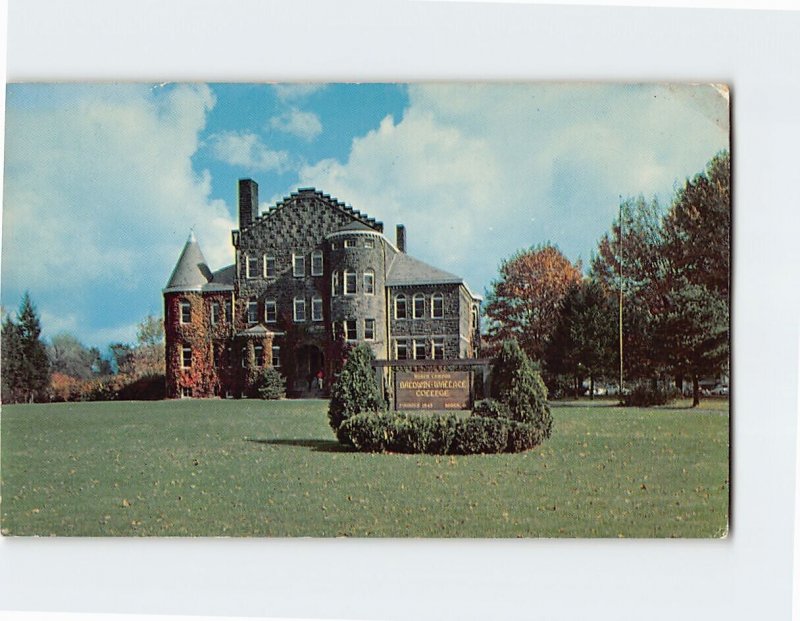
211	467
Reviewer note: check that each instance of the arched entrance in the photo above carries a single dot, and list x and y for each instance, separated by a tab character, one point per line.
309	363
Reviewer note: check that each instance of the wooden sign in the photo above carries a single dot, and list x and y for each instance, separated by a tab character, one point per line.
432	390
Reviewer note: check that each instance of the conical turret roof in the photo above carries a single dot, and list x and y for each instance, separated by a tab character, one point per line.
191	272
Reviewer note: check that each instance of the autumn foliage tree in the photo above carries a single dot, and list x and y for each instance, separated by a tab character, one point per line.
525	301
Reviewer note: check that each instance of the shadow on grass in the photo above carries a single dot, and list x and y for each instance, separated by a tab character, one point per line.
318	446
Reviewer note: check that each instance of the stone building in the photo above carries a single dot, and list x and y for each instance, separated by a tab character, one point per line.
311	275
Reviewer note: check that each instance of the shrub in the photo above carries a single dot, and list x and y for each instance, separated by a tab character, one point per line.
477	434
355	390
644	395
271	384
491	408
517	383
366	432
147	388
423	433
522	437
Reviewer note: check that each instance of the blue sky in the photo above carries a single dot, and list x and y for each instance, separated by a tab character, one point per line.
103	182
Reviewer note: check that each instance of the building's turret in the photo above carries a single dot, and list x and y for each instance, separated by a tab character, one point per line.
356	256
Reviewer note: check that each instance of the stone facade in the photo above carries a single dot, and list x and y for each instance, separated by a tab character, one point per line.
311	274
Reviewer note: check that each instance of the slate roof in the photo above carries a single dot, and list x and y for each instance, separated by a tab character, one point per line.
191	273
406	270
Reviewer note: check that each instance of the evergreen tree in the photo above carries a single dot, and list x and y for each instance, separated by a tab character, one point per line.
584	339
26	369
355	390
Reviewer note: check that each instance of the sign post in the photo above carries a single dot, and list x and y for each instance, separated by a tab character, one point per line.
433	389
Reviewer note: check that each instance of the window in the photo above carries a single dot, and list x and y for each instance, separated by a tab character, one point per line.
437	306
216	354
186	357
401	350
333	245
419	305
270	311
298	265
349	283
475	318
186	392
316	308
228	311
419	350
186	312
369	243
350	329
252	267
400	306
369	282
299	309
244	357
349	243
258	352
276	356
316	263
215	313
252	311
335	283
369	329
438	348
270	267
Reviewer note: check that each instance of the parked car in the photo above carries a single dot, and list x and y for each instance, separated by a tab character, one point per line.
720	389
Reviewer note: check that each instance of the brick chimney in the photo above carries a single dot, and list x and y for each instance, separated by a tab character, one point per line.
248	202
401	237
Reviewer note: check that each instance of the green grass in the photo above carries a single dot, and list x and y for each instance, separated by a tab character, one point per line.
275	469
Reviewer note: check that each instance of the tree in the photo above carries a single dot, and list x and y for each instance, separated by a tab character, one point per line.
68	356
355	390
525	300
693	333
25	367
516	383
584	338
697	228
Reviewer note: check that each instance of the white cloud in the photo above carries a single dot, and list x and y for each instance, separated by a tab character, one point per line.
477	171
305	125
246	149
292	92
99	198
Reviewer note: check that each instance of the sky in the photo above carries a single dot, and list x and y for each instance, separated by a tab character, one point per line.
103	182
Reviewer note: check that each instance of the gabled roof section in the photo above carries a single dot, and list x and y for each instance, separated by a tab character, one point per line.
191	273
406	270
258	331
331	201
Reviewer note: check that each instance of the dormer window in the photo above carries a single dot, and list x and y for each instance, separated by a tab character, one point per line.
316	263
298	265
